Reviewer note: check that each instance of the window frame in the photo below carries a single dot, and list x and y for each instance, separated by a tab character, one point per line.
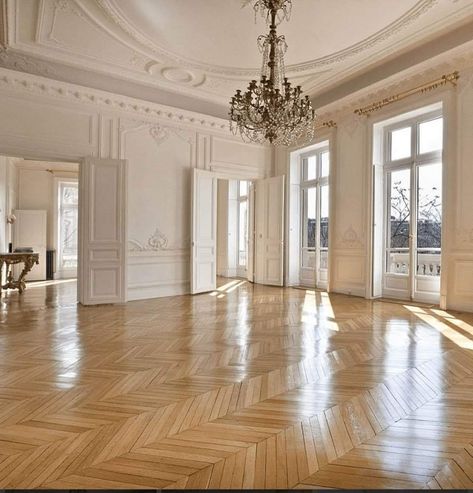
59	207
305	184
412	163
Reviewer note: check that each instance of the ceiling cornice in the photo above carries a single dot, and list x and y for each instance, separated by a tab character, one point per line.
20	82
461	39
115	15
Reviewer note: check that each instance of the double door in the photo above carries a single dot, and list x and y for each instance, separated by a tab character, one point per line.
413	231
265	238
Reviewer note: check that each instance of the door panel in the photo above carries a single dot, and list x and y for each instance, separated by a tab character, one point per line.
269	222
204	232
103	232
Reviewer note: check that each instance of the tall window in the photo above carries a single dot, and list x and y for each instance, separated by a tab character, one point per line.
68	200
315	215
243	187
413	199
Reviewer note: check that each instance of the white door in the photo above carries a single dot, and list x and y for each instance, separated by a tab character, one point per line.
204	232
30	231
103	231
269	224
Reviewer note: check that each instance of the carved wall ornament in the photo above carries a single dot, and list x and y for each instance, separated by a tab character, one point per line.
157	242
350	238
159	133
465	235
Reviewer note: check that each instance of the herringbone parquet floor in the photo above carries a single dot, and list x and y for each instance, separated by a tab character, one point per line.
247	387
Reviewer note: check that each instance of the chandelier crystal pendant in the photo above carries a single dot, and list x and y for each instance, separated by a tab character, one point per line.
271	110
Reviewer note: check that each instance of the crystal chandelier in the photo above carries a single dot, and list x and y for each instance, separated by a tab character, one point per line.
271	110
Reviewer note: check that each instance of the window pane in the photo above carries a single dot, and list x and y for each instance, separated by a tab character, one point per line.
431	136
243	188
309	223
401	143
70	194
324	216
308	258
400	208
398	261
242	233
311	172
429	219
325	164
68	228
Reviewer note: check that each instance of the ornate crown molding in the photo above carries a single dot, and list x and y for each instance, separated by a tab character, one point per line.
114	13
33	84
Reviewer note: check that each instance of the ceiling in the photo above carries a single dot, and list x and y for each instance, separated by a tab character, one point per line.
196	53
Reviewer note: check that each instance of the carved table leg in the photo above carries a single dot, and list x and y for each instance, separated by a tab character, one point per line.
29	262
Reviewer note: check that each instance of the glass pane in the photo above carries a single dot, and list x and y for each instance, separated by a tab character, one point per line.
429	219
68	237
401	143
242	233
70	194
398	261
324	259
324	216
309	221
311	172
431	136
428	263
308	258
399	209
243	188
324	163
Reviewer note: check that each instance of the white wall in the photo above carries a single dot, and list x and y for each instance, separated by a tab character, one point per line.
44	119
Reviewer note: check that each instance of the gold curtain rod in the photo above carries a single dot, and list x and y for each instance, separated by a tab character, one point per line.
430	86
52	171
327	124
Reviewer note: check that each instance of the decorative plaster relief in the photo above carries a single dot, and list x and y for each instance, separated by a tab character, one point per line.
120	19
350	239
24	63
465	236
159	133
157	242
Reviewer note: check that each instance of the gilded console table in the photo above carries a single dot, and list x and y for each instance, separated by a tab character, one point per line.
10	259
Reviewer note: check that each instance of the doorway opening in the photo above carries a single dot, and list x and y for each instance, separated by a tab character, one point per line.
308	257
233	229
252	234
39	204
407	241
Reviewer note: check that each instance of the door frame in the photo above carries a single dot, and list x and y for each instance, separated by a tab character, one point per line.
26	153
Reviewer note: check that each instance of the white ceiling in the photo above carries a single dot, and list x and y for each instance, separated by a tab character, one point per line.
206	49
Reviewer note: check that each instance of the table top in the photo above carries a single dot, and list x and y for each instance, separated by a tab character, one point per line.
18	255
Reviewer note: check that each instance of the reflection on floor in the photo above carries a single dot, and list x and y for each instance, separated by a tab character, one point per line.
245	387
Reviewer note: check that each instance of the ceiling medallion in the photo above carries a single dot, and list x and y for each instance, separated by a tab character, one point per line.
271	110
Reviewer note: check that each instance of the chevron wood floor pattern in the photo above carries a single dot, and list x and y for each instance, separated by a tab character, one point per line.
246	387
